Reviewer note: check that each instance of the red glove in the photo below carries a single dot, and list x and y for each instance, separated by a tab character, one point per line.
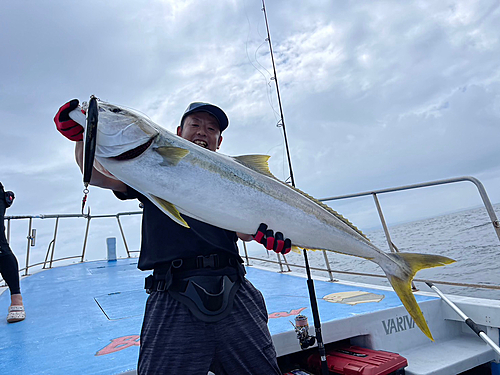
272	241
66	126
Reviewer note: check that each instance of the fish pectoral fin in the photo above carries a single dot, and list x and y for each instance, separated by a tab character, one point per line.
402	286
256	162
171	155
169	209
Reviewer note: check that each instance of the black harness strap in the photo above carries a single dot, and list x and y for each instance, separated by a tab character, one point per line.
205	284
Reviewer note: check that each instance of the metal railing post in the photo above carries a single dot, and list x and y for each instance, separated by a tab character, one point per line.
123	235
8	230
327	262
487	204
54	242
86	236
28	248
246	253
382	220
51	243
279	261
286	262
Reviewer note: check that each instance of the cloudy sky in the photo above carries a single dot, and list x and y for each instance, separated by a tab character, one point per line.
375	93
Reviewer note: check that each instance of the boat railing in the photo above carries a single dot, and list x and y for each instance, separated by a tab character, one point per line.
281	260
374	193
49	256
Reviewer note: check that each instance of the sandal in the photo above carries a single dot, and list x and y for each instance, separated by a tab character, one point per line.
16	314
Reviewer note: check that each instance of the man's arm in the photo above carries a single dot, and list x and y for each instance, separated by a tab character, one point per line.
99	178
244	237
74	132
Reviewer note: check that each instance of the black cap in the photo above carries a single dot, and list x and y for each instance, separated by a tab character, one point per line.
209	108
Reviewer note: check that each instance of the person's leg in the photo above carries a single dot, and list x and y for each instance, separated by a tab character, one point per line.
9	268
244	344
173	341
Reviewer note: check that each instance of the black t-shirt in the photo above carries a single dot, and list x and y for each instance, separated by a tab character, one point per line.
163	240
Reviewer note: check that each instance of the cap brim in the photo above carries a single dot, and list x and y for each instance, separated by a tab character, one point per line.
214	111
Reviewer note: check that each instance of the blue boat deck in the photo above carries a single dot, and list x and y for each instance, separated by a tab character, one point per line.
86	318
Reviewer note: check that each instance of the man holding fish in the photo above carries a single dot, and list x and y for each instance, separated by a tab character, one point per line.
202	313
187	181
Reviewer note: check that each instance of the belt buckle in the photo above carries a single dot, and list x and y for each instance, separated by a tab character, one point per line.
209	261
161	286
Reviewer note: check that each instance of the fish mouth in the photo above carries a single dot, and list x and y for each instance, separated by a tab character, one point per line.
135	152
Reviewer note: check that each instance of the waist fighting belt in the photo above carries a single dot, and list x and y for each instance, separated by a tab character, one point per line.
205	284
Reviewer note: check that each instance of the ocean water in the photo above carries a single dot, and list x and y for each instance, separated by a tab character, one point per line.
466	236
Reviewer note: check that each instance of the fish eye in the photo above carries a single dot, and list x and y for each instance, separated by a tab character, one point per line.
116	110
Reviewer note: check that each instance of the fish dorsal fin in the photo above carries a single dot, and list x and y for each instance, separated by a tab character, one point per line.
332	211
169	209
171	155
256	162
259	164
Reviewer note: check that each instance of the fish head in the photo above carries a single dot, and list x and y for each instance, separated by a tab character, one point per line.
122	131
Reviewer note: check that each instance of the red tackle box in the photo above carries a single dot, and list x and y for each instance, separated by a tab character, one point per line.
354	360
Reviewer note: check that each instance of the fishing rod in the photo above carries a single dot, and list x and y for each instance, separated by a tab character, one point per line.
306	341
275	78
472	325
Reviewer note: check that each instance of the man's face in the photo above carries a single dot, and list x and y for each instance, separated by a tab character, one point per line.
201	128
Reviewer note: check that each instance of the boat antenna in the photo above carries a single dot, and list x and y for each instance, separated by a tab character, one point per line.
281	122
310	282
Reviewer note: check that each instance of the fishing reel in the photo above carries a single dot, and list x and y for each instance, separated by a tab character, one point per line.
302	330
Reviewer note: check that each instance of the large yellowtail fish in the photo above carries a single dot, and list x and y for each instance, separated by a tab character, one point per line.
236	193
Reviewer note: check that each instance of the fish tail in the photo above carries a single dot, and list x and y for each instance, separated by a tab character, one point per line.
402	286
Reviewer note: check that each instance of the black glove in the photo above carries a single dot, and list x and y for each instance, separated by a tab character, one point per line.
272	241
